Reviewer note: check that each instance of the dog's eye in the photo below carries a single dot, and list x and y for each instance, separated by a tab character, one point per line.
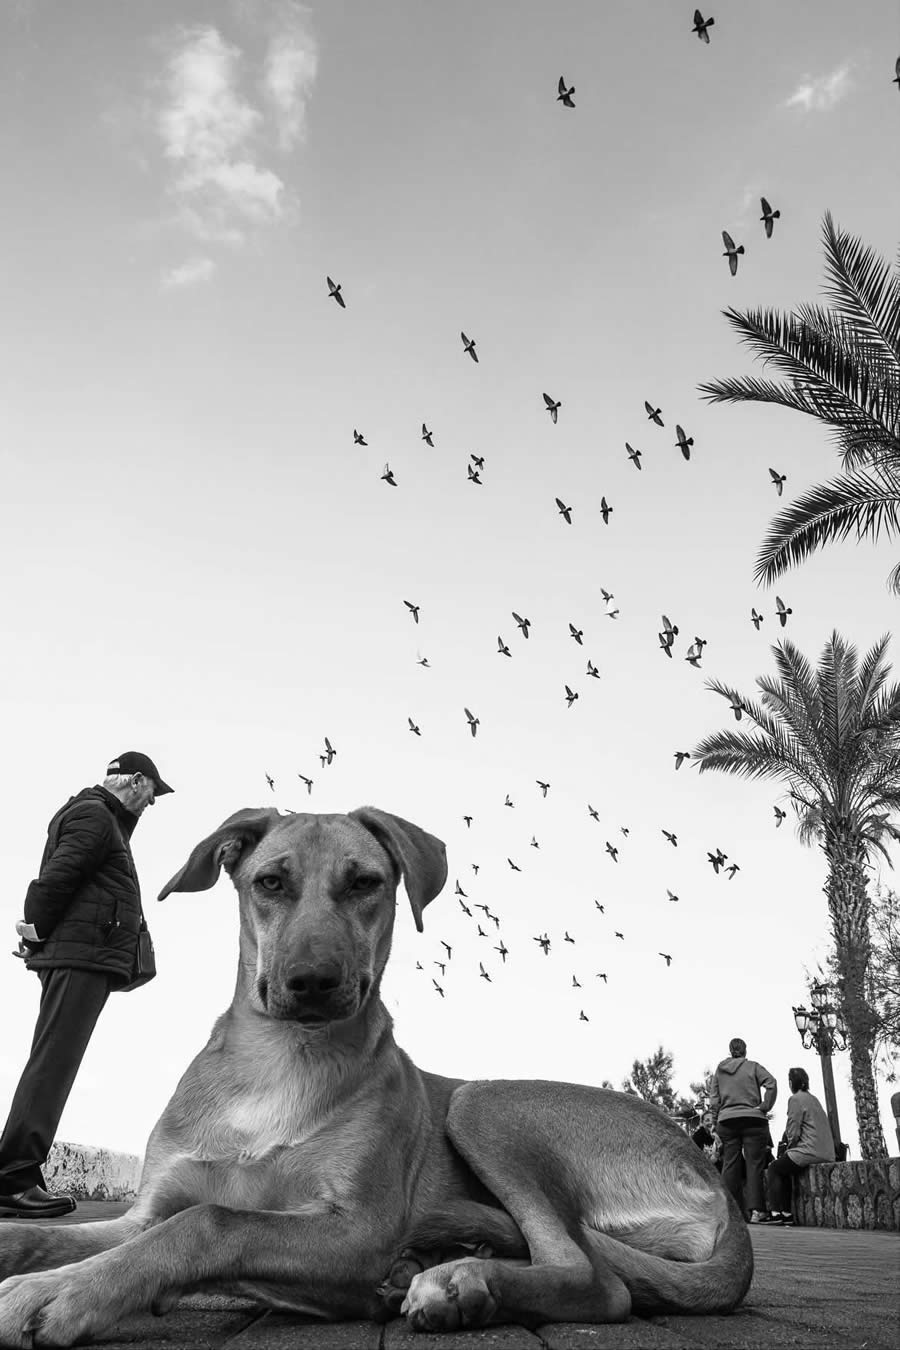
269	883
364	883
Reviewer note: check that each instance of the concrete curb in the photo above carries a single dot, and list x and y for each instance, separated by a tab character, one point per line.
90	1173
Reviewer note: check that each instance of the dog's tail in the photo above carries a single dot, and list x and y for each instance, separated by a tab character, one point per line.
658	1284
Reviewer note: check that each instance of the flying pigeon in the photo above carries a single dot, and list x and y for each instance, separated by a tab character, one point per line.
570	697
731	871
502	648
565	95
731	252
413	609
426	436
680	757
543	786
592	669
654	414
779	815
672	838
388	475
778	480
271	781
524	624
553	407
307	781
469	346
781	610
472	474
330	751
358	438
413	727
634	455
564	511
755	618
672	896
473	721
577	634
605	510
612	851
666	958
768	216
335	292
701	25
683	442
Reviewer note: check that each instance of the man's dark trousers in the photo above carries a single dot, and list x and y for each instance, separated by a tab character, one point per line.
71	1002
744	1137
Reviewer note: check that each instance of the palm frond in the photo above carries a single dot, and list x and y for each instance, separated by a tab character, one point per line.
862	287
745	754
835	678
867	502
872	675
826	364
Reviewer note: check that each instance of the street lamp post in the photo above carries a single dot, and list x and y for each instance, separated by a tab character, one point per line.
822	1028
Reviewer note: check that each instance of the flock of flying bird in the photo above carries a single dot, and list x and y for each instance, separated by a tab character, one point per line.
667	634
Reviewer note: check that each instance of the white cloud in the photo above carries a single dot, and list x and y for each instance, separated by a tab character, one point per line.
215	139
818	95
291	63
190	273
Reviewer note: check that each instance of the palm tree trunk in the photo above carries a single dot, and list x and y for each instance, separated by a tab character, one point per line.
848	905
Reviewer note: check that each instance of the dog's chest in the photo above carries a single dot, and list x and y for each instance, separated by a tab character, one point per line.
263	1117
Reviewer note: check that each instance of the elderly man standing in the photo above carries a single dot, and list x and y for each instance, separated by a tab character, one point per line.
742	1093
80	934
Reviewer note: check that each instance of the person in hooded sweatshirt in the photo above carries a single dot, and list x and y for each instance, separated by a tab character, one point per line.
742	1093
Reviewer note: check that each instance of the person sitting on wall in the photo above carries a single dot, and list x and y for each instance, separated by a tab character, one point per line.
808	1137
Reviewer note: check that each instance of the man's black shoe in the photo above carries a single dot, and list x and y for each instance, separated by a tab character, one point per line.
35	1203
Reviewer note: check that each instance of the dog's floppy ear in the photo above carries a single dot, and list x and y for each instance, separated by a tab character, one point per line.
419	856
222	848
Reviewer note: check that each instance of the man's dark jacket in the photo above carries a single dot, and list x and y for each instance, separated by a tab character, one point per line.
86	902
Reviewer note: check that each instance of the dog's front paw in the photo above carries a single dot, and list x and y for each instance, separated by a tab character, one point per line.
451	1297
52	1307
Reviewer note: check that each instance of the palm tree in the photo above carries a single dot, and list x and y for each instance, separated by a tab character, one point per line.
833	736
842	366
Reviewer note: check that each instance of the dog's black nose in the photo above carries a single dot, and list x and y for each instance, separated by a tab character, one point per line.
314	982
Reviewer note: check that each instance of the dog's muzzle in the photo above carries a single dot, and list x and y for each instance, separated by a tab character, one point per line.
314	994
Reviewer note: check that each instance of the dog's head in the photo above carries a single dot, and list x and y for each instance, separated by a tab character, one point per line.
317	901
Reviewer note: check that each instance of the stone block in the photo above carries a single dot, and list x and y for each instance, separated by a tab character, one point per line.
91	1173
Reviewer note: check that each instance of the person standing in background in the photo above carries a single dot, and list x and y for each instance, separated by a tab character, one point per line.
742	1094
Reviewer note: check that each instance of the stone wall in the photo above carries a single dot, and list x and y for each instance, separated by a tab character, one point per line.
849	1195
90	1173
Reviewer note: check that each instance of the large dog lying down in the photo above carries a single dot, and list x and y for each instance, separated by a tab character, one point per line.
306	1162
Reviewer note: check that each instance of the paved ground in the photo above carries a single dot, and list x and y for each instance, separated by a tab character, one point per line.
813	1287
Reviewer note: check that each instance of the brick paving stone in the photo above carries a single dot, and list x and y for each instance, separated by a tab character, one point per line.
399	1336
279	1331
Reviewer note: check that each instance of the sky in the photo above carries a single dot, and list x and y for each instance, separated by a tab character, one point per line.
201	564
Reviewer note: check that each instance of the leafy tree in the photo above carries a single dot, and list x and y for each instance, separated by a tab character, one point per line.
842	365
651	1079
833	736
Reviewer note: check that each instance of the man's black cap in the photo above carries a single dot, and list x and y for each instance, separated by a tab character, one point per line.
134	762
